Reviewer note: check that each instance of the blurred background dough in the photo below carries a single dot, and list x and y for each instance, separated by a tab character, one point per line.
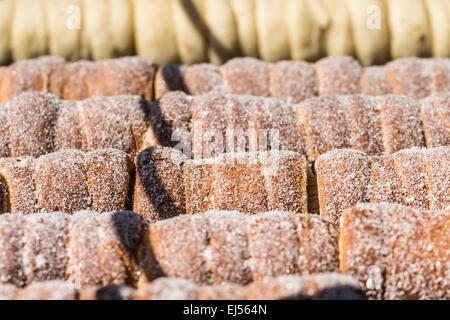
439	15
154	30
193	31
409	28
305	31
222	33
190	30
338	36
64	28
28	29
243	11
272	30
6	10
370	30
108	28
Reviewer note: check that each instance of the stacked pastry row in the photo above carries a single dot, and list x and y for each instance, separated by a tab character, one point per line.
293	81
418	178
36	123
164	183
296	81
79	80
216	30
327	286
90	249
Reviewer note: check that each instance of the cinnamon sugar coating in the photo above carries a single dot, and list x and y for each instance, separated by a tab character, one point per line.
375	125
249	182
375	246
293	81
325	286
80	80
435	113
67	181
338	75
49	290
169	78
159	190
196	247
37	123
409	76
85	248
232	123
413	177
375	81
29	75
202	78
247	76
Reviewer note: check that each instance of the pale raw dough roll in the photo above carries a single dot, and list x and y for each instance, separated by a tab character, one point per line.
6	9
64	28
338	36
222	35
158	41
28	29
304	30
408	24
272	29
246	26
108	28
190	30
370	30
439	15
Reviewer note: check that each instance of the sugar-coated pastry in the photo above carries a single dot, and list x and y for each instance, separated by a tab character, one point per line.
206	255
375	248
249	182
68	181
413	177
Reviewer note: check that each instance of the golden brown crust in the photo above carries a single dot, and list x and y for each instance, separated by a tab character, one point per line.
409	77
5	148
29	75
400	123
31	119
80	80
414	177
67	127
45	237
61	181
159	191
108	173
274	244
188	236
375	81
435	116
18	185
246	76
11	268
228	248
169	77
338	75
49	290
122	76
220	247
67	181
293	81
275	180
437	167
202	78
342	180
375	247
